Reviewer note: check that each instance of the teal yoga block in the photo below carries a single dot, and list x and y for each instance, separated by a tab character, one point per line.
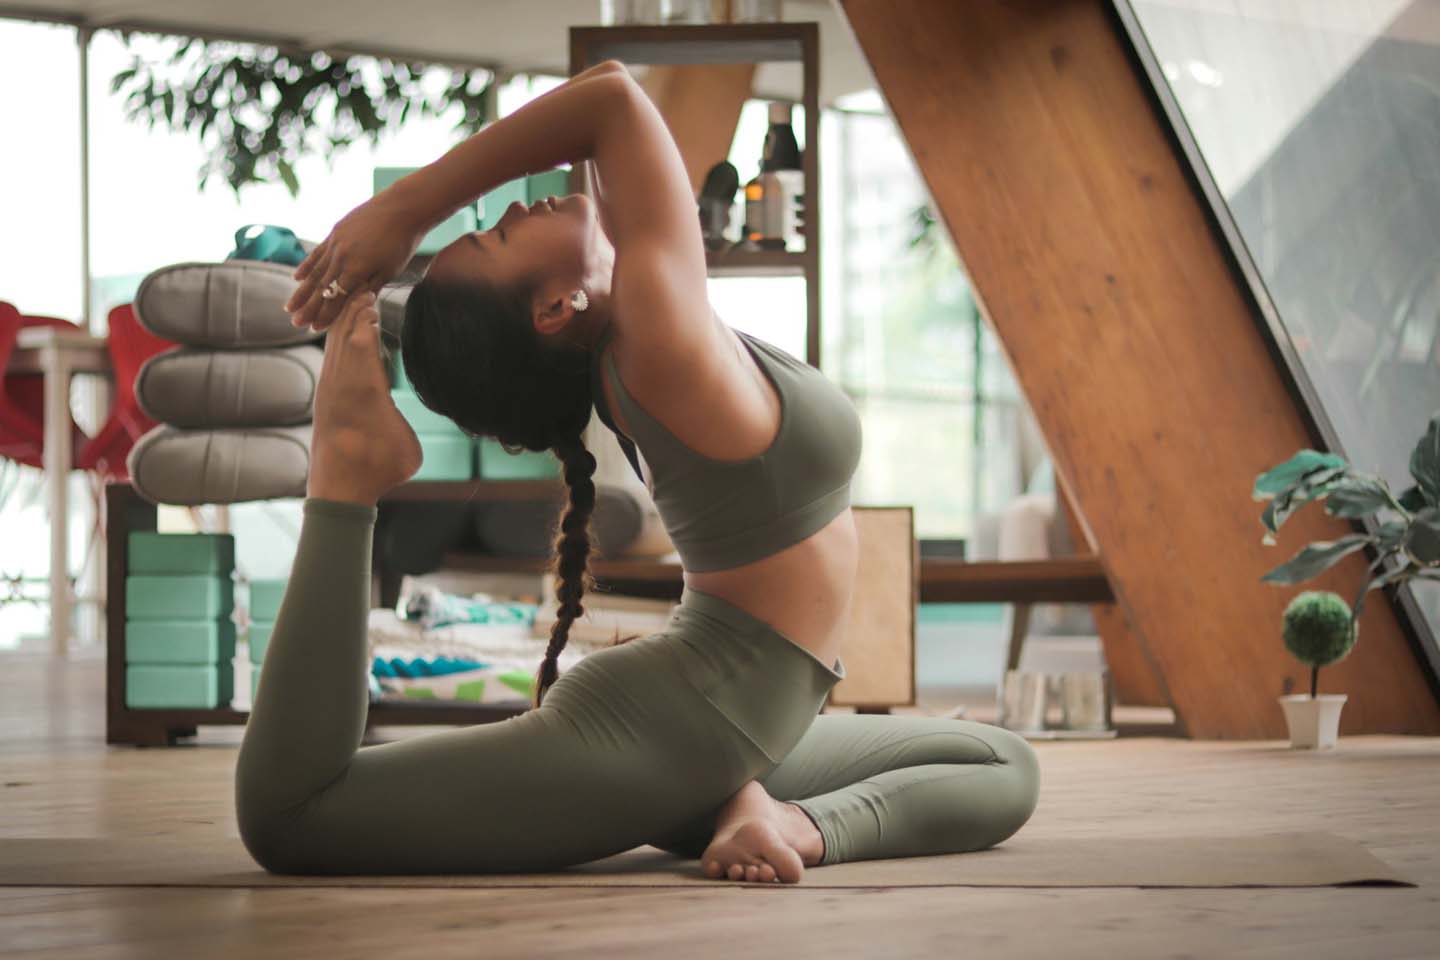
446	458
180	553
163	597
493	204
424	421
265	597
194	642
551	183
458	224
179	686
496	464
259	640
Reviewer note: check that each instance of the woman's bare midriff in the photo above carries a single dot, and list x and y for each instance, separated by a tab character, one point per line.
804	590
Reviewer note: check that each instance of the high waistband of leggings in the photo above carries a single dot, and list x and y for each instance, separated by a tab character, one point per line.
744	623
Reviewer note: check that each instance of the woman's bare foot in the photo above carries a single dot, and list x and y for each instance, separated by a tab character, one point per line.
759	839
361	445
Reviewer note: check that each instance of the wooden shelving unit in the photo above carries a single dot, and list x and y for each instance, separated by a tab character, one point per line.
1078	579
737	43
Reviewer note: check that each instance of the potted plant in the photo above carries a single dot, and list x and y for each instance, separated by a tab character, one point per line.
1406	533
1318	630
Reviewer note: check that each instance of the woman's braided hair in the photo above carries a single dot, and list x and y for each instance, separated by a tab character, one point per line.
472	354
572	555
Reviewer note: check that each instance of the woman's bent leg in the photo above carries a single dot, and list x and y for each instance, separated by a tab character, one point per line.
880	787
621	749
908	786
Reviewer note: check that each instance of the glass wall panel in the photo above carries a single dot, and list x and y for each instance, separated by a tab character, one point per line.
1319	123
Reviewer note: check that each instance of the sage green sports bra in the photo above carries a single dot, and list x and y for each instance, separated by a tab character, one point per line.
724	513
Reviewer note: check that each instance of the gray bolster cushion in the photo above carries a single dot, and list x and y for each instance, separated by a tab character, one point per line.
238	303
190	387
192	467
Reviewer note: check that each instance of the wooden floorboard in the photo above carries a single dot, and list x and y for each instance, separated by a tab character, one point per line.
57	778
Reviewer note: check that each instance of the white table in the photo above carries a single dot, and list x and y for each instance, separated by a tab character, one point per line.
57	353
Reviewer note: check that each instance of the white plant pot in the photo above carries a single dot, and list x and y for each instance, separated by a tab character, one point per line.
1314	722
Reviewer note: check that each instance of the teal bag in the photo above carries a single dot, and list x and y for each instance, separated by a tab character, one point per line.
257	241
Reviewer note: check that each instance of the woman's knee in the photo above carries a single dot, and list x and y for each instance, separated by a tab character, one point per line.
1022	764
266	829
266	844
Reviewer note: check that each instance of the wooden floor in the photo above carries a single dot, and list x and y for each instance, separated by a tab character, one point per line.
58	779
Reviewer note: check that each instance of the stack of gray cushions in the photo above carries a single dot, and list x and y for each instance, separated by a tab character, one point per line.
235	403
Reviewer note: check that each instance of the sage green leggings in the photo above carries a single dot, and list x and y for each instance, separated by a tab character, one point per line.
636	744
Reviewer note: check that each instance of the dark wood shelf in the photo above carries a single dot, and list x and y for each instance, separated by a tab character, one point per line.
744	262
480	488
694	43
1076	579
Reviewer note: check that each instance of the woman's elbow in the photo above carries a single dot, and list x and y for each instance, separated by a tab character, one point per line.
612	66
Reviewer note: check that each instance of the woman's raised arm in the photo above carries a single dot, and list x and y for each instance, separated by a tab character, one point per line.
600	114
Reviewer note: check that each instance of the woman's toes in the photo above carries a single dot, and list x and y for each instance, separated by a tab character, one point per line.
787	863
767	873
713	869
736	872
752	873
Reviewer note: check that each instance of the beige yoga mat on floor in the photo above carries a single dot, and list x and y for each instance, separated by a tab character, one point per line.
1264	860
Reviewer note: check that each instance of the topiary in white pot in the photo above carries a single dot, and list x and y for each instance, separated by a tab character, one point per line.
1318	630
1402	530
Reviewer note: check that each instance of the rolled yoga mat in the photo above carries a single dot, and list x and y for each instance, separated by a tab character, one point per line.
1308	859
198	388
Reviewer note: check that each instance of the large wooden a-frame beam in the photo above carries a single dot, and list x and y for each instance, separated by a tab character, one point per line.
1095	262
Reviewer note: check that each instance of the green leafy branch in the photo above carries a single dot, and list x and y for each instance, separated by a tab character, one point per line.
1411	538
257	110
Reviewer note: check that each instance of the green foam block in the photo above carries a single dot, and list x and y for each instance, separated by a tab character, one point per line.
163	597
196	642
180	553
179	686
494	203
265	597
458	224
496	464
551	183
259	640
422	419
446	458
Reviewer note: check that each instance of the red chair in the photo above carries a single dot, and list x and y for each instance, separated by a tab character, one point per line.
22	396
130	345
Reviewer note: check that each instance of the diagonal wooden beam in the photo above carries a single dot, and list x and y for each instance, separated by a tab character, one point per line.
1094	258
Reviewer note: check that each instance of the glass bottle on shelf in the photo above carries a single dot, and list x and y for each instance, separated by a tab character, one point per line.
685	11
774	199
756	11
628	12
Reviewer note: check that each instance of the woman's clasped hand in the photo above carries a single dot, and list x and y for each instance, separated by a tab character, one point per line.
367	248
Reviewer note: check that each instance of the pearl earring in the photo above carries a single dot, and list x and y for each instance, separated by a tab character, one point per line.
579	300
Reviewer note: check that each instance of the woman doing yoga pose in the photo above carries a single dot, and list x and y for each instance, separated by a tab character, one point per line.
704	739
